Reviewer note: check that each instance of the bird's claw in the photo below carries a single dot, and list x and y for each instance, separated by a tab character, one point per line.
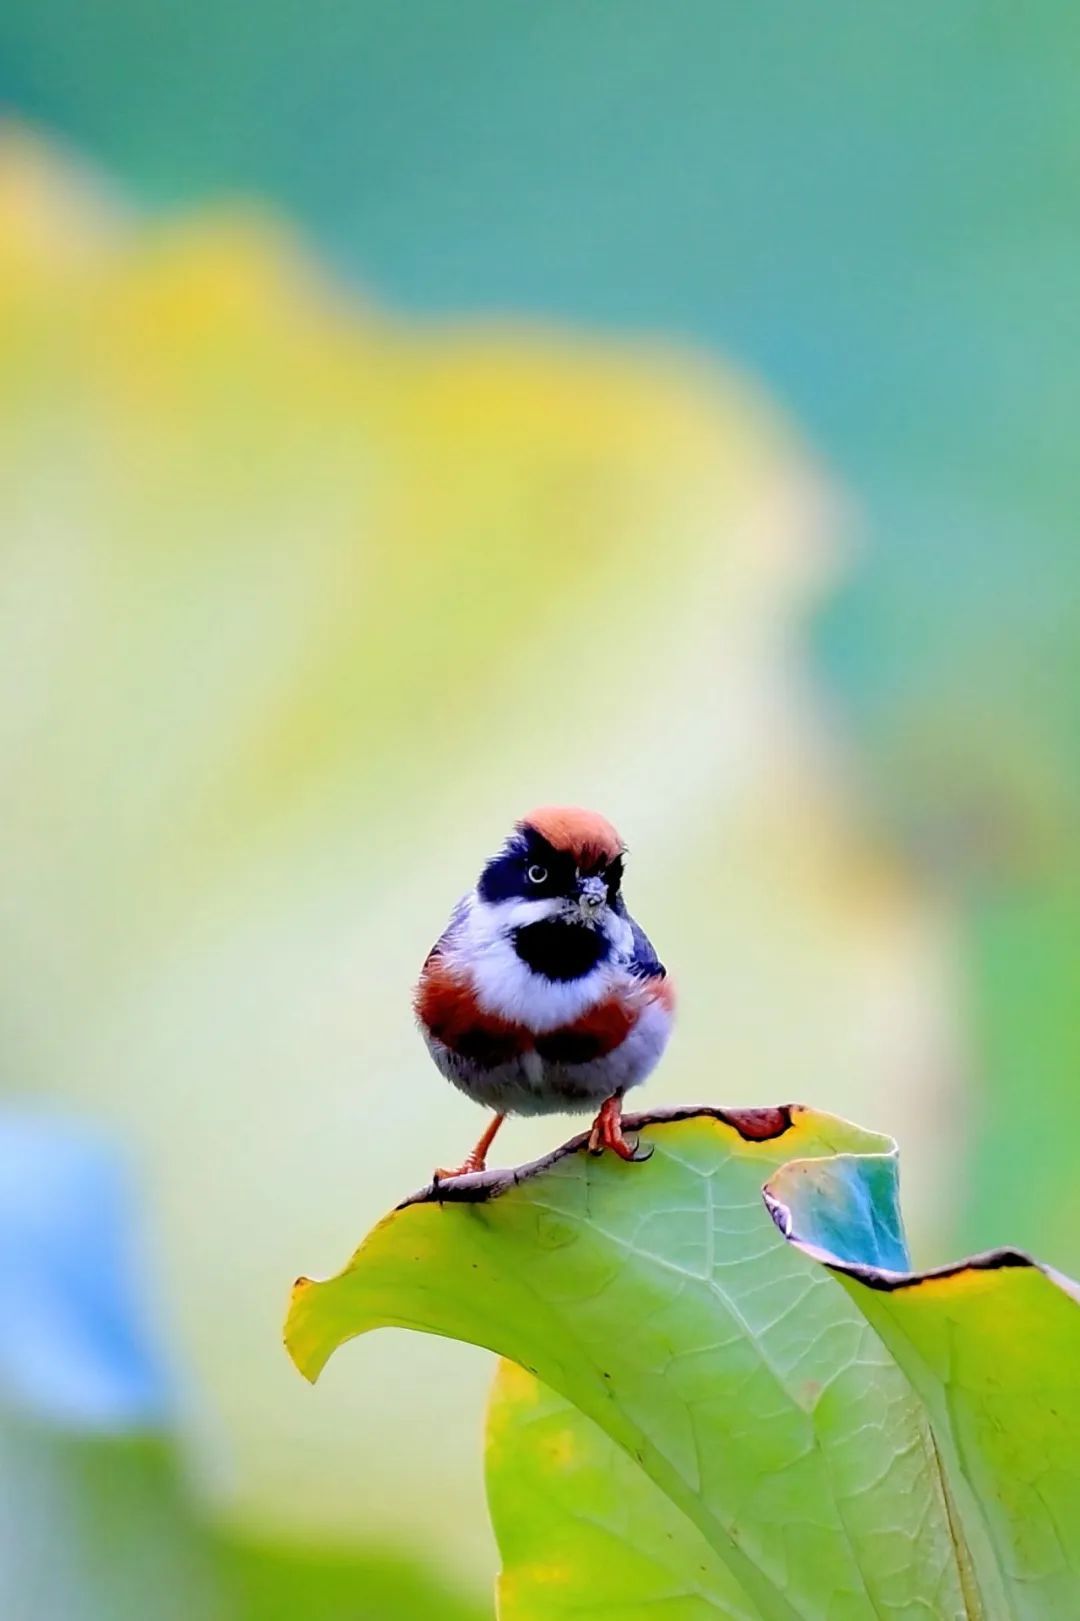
441	1174
634	1153
607	1132
477	1159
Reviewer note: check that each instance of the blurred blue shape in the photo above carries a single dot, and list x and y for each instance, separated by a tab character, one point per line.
75	1350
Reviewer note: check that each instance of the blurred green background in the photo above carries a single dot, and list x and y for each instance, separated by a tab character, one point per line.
411	413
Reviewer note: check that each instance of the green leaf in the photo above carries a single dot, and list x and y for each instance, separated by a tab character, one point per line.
581	1528
992	1347
663	1302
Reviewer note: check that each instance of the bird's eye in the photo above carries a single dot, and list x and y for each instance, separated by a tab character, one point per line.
537	875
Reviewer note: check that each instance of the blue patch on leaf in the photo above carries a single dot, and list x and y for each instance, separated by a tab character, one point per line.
847	1206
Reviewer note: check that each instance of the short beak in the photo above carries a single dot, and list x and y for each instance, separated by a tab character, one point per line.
592	894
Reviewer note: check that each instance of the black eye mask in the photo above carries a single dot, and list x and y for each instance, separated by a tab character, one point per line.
506	876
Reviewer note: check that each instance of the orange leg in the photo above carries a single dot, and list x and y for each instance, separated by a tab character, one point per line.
607	1132
478	1158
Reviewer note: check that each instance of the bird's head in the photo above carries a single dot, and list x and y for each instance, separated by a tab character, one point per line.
560	864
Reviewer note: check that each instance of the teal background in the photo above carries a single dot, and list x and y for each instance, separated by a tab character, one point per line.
873	208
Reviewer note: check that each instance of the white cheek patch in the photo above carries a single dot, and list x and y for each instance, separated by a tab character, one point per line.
508	987
485	920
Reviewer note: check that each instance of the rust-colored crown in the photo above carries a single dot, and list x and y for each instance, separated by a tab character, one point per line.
584	834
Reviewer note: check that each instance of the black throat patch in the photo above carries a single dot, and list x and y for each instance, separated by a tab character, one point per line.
560	950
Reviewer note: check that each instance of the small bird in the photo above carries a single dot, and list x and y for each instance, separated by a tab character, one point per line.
543	995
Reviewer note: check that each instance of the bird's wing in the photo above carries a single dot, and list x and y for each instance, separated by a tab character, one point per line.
644	963
452	929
